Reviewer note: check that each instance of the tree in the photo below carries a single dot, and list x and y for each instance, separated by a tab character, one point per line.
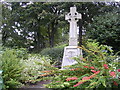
106	29
42	24
33	24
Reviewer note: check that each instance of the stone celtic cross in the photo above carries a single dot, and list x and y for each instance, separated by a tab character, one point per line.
71	51
72	18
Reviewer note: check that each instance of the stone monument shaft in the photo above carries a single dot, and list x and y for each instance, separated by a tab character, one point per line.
72	18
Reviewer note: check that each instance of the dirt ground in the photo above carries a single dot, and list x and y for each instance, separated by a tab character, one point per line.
36	86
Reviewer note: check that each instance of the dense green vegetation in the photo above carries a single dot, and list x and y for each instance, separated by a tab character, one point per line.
106	29
35	34
18	70
41	24
31	68
99	68
11	69
55	53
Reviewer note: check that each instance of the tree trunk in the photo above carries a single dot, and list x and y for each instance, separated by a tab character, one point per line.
37	38
49	34
80	32
52	34
38	41
4	37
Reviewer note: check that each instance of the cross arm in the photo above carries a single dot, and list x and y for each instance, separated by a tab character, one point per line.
67	17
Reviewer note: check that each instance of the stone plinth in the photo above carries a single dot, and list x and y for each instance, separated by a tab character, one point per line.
69	53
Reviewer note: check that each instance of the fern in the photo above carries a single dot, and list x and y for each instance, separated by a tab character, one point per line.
11	69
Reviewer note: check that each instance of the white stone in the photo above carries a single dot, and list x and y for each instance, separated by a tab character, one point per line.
69	53
72	50
72	18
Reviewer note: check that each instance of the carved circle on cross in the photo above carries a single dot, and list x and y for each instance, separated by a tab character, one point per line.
72	17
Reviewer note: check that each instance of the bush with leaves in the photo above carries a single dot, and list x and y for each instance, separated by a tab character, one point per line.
105	29
56	53
19	67
99	68
12	69
31	71
21	53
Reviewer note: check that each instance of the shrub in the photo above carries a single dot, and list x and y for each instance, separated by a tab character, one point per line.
32	68
19	67
12	69
97	69
21	53
56	53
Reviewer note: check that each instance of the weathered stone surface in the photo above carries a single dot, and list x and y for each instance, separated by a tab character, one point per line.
72	18
72	50
69	53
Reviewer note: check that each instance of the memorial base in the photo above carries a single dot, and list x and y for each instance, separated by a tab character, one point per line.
69	53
